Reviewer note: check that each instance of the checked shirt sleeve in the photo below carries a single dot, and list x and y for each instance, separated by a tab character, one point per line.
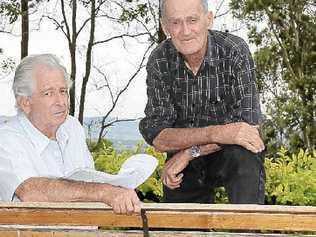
159	111
244	88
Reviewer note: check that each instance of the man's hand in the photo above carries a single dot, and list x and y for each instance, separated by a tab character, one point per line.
242	134
123	200
171	173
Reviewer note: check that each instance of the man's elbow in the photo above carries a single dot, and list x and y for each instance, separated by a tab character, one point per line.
159	145
28	192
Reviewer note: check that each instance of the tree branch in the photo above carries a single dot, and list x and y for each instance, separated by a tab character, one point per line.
103	125
65	20
281	44
107	85
121	36
59	26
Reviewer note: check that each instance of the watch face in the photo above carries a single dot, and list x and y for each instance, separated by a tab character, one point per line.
195	151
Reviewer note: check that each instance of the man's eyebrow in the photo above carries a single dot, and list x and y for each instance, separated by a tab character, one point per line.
47	89
178	18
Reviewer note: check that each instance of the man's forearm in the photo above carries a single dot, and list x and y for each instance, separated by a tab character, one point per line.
61	190
239	133
171	139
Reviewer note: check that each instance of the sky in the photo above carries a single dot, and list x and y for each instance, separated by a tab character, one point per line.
120	62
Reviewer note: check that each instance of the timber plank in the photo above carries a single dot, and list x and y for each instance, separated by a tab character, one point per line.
185	216
167	206
44	233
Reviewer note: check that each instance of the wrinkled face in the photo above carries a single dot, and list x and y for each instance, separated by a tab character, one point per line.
47	108
187	23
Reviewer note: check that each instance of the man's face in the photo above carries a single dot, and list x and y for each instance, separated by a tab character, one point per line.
187	23
47	109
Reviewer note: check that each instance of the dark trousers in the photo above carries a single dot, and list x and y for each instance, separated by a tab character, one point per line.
240	171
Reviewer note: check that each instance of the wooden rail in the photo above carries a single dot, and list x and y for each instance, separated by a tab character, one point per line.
190	217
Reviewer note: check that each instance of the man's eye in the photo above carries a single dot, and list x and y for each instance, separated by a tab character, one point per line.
48	93
193	20
64	92
175	22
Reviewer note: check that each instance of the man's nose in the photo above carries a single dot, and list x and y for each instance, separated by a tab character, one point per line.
60	99
186	28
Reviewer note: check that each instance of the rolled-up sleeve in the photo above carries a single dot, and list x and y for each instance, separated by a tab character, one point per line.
159	111
247	104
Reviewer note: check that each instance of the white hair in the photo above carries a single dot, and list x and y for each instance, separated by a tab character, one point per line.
23	84
163	6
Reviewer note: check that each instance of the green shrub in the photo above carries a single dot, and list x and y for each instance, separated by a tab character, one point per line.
291	179
107	159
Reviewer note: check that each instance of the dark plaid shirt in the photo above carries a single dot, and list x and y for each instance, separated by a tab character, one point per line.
223	91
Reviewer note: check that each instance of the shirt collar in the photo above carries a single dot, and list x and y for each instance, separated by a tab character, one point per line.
211	56
38	139
62	136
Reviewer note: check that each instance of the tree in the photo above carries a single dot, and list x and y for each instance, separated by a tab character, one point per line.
285	36
100	13
12	10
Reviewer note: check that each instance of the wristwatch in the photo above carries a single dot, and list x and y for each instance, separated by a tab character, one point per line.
195	151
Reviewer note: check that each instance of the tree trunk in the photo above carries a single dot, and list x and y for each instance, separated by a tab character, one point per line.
72	50
25	28
88	63
161	34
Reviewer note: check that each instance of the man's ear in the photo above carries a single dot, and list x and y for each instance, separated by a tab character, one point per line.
164	28
210	19
24	104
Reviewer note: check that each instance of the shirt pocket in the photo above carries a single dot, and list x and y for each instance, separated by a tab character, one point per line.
215	107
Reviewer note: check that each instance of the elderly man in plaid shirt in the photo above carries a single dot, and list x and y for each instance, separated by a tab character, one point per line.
203	109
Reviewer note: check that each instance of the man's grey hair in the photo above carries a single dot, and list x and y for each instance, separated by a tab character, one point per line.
23	84
163	6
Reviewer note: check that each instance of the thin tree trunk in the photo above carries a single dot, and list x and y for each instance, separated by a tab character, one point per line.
25	28
161	34
72	50
88	63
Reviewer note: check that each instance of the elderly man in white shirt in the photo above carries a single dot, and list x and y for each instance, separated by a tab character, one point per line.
43	144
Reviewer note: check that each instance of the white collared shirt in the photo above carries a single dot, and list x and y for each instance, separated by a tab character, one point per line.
25	152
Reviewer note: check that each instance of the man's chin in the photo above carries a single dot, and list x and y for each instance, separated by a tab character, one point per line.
188	51
60	117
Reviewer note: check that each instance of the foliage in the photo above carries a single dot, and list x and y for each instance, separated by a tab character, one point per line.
291	179
140	10
10	9
145	13
285	36
107	159
7	65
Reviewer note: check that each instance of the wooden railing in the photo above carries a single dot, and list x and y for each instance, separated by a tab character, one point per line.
181	219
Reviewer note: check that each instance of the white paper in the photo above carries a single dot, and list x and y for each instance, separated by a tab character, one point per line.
134	171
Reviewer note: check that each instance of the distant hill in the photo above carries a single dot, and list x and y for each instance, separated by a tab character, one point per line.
126	130
124	135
